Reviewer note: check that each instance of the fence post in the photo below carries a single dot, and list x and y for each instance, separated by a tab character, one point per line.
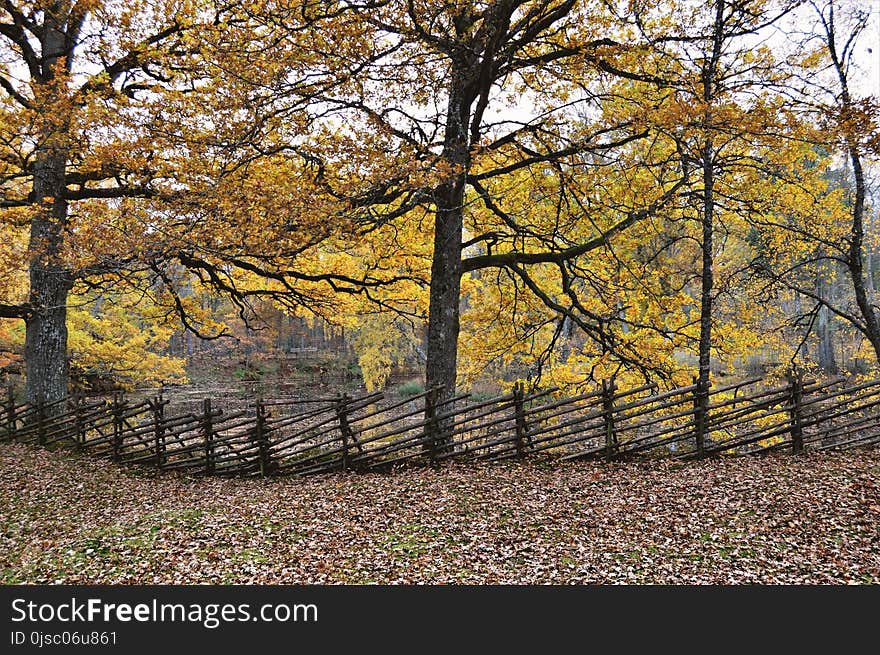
117	427
262	435
158	406
208	431
432	427
10	412
611	444
522	428
344	427
78	411
795	379
701	415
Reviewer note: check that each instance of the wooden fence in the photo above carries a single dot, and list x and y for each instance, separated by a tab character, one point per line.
369	432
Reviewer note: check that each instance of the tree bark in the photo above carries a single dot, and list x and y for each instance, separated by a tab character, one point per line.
855	259
446	267
856	253
706	273
825	348
707	219
46	323
706	287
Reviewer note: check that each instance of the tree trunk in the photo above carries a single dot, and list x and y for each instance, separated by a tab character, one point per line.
706	273
706	286
46	336
825	350
707	218
46	325
856	255
445	296
443	312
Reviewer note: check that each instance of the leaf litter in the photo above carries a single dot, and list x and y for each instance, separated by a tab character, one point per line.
813	519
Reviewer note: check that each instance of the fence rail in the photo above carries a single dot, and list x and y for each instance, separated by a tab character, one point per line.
319	435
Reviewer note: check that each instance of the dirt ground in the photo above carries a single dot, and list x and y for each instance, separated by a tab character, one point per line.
68	518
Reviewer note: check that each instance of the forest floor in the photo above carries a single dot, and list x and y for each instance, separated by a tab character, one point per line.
68	518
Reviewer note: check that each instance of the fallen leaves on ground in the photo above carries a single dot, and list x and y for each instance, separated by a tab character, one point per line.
67	518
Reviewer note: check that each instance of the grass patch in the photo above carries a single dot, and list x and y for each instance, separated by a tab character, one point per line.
408	389
411	540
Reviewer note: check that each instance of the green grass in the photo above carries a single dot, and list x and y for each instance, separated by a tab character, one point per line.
408	389
411	540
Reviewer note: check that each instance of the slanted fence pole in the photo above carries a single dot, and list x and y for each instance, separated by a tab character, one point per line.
701	415
262	436
208	431
117	427
10	412
344	428
795	380
79	425
432	426
158	406
611	444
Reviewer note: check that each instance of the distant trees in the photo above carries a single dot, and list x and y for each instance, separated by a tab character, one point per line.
818	245
853	125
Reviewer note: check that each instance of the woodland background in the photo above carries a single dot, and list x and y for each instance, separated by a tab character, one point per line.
456	193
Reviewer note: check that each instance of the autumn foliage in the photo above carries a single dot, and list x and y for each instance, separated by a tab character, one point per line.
552	191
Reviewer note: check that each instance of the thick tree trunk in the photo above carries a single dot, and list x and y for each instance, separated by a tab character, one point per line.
46	324
443	312
445	296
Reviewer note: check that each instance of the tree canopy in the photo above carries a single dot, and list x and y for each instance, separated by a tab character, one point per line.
552	190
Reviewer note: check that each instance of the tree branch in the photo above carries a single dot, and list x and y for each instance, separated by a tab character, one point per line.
15	311
508	259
